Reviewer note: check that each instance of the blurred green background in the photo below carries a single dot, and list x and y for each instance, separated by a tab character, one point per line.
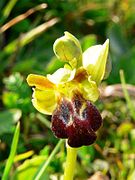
28	30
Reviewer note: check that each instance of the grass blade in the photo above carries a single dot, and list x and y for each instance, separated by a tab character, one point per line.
21	17
126	94
9	8
23	156
44	120
12	153
29	36
42	169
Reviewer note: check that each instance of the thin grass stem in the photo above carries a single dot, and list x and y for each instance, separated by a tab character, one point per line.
126	94
42	169
12	153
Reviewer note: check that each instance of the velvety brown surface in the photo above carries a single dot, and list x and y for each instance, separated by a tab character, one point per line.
76	120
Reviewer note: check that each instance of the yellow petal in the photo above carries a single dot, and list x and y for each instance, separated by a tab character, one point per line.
61	76
45	101
94	61
89	90
40	82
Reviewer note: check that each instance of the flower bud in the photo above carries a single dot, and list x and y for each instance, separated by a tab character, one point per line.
68	49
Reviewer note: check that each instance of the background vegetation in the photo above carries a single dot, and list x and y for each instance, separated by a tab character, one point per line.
28	30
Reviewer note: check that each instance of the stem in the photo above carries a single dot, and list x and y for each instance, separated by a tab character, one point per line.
70	163
44	120
126	94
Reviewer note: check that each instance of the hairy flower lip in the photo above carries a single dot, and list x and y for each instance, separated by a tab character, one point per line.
83	136
68	121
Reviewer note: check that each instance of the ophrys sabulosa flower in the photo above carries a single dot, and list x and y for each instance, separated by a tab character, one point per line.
69	92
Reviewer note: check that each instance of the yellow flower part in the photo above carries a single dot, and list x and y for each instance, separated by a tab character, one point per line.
94	61
40	82
61	76
68	49
82	73
44	97
89	90
45	101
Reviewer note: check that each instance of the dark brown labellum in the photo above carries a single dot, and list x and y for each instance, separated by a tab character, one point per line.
76	120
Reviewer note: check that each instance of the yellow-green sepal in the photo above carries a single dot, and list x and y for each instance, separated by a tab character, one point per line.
68	49
94	61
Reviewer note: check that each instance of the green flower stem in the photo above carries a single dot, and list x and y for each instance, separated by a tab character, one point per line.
70	163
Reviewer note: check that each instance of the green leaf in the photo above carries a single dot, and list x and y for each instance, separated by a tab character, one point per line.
29	168
29	36
12	153
13	82
7	10
42	168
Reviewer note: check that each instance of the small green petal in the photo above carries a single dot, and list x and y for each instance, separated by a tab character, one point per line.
61	76
89	90
68	49
94	61
45	101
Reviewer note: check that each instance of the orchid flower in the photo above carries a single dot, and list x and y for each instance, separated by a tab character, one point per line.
69	93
